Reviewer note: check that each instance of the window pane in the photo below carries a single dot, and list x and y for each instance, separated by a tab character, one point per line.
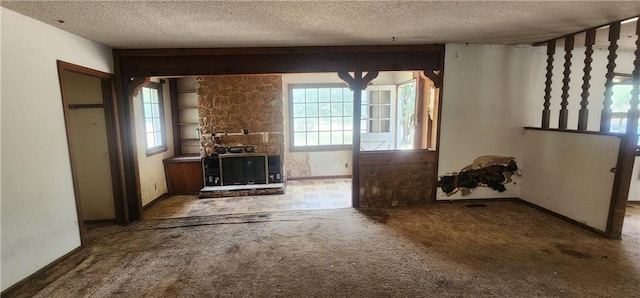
375	97
148	125
312	95
363	126
336	137
364	111
385	125
312	139
324	109
159	138
374	126
299	124
324	123
385	111
298	110
336	94
325	138
156	124
348	123
336	109
312	110
312	124
375	113
150	140
347	95
324	95
147	110
348	109
298	95
156	110
385	97
145	95
348	137
336	123
299	139
153	95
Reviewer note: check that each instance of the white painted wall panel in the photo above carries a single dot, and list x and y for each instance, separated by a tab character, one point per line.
569	173
634	190
39	221
487	99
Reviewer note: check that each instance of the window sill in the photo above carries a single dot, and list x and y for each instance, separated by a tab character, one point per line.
321	148
156	150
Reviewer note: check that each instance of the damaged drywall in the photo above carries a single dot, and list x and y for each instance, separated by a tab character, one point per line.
487	171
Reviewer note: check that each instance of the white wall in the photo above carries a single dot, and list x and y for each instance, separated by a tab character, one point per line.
323	163
153	183
563	177
487	93
39	220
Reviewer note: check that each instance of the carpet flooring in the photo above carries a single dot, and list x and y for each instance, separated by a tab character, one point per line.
504	249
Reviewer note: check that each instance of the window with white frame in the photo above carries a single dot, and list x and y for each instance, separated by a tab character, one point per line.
321	116
153	119
620	105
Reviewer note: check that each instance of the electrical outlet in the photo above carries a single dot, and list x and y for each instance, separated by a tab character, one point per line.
155	186
346	164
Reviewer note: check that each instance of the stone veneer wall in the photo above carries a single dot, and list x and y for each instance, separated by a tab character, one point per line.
229	104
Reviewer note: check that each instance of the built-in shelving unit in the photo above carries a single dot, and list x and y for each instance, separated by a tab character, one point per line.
184	103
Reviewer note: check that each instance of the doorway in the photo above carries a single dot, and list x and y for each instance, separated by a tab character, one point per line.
86	99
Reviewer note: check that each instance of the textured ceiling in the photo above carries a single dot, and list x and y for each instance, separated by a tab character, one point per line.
177	24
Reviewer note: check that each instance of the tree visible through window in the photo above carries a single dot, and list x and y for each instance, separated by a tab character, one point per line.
153	119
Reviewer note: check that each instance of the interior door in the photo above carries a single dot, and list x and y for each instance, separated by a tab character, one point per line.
378	124
88	145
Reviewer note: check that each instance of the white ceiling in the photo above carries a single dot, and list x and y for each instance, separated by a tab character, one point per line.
179	24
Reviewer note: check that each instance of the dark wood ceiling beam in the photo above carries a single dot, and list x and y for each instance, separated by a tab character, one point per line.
153	62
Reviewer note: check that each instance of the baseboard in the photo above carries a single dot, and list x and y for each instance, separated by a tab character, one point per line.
633	202
38	273
320	177
570	220
99	221
156	200
466	201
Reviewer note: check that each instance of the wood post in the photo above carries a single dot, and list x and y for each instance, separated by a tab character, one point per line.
634	113
564	113
546	113
605	118
357	83
583	114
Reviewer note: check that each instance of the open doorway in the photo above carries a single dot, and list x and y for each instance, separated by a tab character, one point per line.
89	121
312	132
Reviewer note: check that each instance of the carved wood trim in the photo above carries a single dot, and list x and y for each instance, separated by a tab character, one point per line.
564	112
546	113
435	77
583	114
135	84
605	118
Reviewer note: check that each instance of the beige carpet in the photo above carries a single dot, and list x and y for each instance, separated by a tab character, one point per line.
505	249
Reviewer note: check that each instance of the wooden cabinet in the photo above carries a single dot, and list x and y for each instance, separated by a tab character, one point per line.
184	174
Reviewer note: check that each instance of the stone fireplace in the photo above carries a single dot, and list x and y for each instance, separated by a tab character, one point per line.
241	110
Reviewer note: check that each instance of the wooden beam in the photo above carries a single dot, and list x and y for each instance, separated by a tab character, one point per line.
546	112
435	77
605	118
135	84
356	83
583	114
165	62
564	112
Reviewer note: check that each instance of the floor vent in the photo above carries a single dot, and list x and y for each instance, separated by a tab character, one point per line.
476	205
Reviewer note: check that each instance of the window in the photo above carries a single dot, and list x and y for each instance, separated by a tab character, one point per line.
321	116
153	119
620	105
